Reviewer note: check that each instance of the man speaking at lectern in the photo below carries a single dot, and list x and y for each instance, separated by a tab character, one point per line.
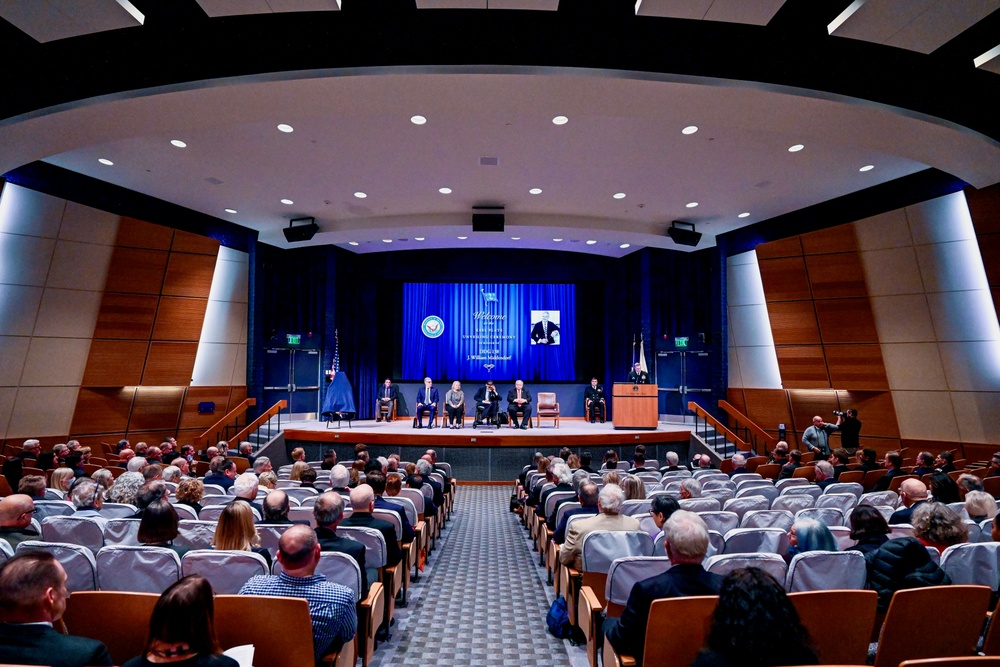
637	375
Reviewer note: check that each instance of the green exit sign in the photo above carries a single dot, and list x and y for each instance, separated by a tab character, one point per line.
294	339
680	342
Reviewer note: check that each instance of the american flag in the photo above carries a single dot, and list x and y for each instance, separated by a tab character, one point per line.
336	351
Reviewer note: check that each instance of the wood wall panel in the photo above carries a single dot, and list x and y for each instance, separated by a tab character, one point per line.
102	410
882	446
768	408
194	243
154	437
802	366
134	233
115	363
841	238
237	395
793	323
807	403
136	271
734	395
189	275
875	410
785	279
126	316
179	318
186	436
789	247
984	206
846	321
156	409
837	276
856	367
190	418
169	364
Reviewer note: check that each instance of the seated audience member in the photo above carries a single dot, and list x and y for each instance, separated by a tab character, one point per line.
739	465
968	482
608	462
104	479
672	461
261	465
182	628
329	460
587	496
686	544
841	459
634	488
33	486
331	606
944	462
149	493
690	488
210	454
298	468
995	529
376	480
189	492
357	477
137	464
546	468
363	503
31	449
154	456
573	461
171	474
638	464
125	488
912	493
925	464
152	471
868	528
993	470
639	456
755	624
809	535
307	480
869	460
937	525
74	462
779	454
901	563
32	598
980	506
824	474
393	485
276	506
86	498
245	491
586	458
661	509
267	480
61	479
794	463
612	477
299	454
51	459
944	489
15	519
340	478
329	512
158	527
894	464
223	473
702	462
610	501
236	531
246	451
416	481
124	457
425	468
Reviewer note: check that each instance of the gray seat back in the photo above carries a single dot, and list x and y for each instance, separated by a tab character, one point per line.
137	569
601	547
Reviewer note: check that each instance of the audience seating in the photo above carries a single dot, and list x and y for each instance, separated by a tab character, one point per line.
887	498
122	531
185	512
675	632
195	534
142	569
847	643
78	561
599	549
80	530
700	504
793	502
270	533
830	516
721	521
755	540
93	614
47	508
375	559
723	564
845	486
741	506
826	571
974	563
118	510
6	551
227	571
845	502
768	519
843	536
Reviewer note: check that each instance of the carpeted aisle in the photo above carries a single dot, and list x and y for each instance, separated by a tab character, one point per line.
481	601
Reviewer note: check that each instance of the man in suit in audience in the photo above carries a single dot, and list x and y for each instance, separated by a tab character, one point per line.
739	464
912	494
925	464
690	488
223	473
610	501
894	462
340	477
15	519
824	474
519	403
363	502
563	478
686	544
329	512
386	396
840	460
779	454
276	507
794	463
424	468
673	462
994	467
945	462
245	488
587	496
33	596
376	480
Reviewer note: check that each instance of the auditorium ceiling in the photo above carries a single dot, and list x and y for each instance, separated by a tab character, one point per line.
593	123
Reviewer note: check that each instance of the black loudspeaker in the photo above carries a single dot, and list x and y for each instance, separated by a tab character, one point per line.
487	222
683	236
302	232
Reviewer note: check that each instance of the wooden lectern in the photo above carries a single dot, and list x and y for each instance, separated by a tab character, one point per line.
635	406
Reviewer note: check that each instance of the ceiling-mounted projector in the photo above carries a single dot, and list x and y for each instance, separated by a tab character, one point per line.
683	236
302	232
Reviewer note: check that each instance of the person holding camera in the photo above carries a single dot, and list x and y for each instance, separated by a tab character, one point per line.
850	429
816	438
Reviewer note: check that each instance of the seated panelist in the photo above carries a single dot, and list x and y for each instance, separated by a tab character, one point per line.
593	398
384	400
487	403
427	402
519	403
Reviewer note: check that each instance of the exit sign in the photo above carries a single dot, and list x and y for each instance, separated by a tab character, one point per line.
680	342
294	339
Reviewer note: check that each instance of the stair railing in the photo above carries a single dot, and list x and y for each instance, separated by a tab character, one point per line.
704	420
760	440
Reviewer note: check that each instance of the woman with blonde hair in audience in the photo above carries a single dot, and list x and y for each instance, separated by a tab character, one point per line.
85	454
189	492
268	480
125	488
182	628
573	461
61	479
634	488
236	531
937	525
612	478
296	474
104	479
980	506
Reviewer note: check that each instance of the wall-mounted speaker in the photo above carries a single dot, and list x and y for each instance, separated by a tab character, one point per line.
300	233
683	236
487	219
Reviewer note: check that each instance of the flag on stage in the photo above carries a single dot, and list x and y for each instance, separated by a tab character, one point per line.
642	355
336	351
633	352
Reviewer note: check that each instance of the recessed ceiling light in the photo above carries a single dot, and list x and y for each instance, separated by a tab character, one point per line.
744	214
535	191
287	202
286	128
462	238
557	240
418	238
624	245
867	167
591	242
105	161
690	129
352	243
418	120
619	195
231	210
560	120
444	191
178	143
796	148
691	204
386	240
515	238
360	195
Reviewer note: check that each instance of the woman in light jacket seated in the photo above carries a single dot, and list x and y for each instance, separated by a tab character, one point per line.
237	532
454	404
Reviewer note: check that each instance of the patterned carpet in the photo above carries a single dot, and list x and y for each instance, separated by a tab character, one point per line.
483	599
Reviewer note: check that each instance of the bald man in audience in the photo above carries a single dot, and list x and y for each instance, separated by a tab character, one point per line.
363	503
329	512
610	501
376	480
182	464
15	519
210	454
912	494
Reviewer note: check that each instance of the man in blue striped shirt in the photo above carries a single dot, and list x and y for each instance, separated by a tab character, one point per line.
331	606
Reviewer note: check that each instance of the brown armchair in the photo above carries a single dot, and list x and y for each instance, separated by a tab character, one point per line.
547	406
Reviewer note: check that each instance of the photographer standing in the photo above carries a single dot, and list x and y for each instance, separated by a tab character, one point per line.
817	438
850	429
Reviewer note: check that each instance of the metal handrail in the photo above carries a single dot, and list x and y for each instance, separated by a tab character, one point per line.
274	410
753	432
222	426
717	425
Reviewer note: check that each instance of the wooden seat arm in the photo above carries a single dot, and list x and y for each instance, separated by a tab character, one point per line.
589	612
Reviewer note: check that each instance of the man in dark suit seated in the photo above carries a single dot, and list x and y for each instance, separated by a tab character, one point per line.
329	512
894	462
925	464
687	544
33	596
386	398
276	509
427	402
945	462
794	463
363	502
587	495
519	403
245	488
376	480
739	464
487	403
824	474
912	493
222	473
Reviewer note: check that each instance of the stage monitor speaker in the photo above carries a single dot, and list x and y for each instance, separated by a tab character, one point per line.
302	232
683	236
487	222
